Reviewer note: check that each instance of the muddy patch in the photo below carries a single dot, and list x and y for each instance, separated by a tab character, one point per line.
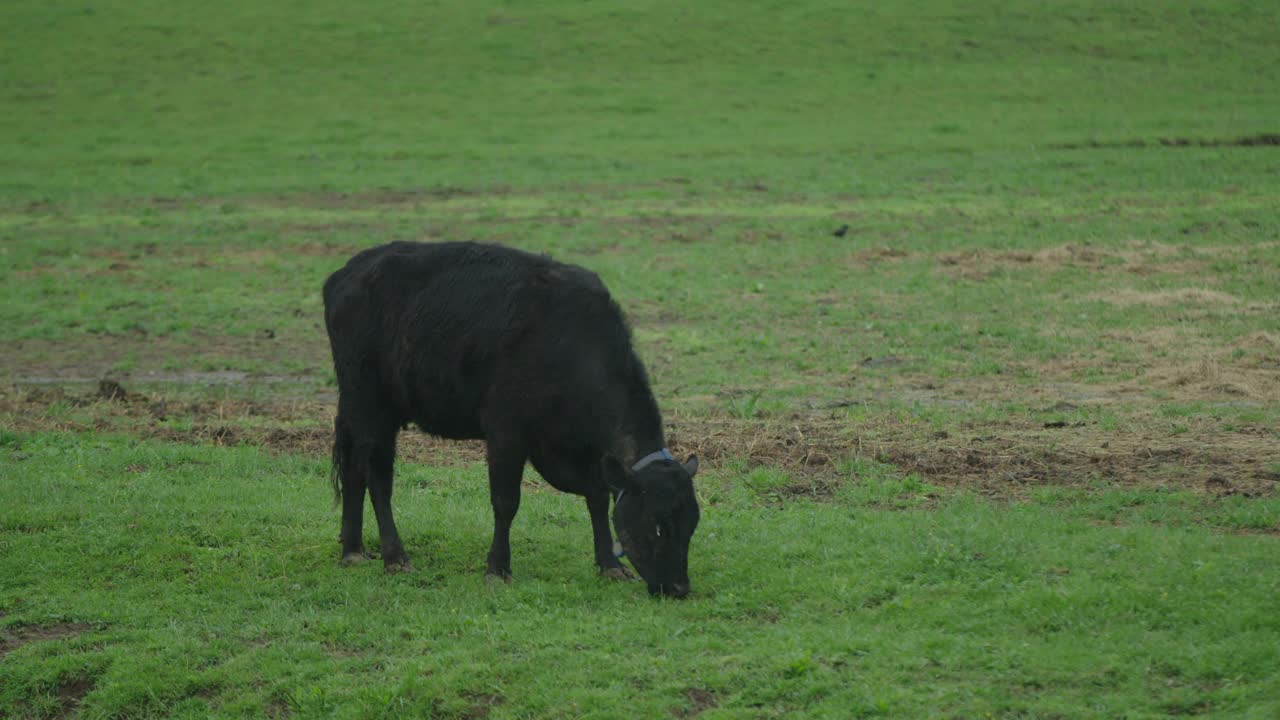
1014	461
699	701
15	637
1137	258
1000	461
815	448
71	694
869	257
481	704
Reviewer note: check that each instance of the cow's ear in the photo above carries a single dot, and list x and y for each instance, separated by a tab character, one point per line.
691	465
619	476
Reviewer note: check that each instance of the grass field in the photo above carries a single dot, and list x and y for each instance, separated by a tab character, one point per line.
970	310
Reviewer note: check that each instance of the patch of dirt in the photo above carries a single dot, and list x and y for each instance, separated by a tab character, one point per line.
1015	460
1174	363
373	231
999	461
1000	458
89	359
650	314
1199	707
1128	297
15	637
112	390
1138	258
252	258
1252	141
317	199
71	694
700	701
333	649
1262	340
297	425
380	197
482	704
868	257
412	446
1208	377
886	361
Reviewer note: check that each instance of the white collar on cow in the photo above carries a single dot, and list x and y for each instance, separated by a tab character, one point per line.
663	454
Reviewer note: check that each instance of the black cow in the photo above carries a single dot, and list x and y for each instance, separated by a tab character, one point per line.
468	340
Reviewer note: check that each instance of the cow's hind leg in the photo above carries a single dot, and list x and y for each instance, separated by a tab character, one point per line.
506	468
583	478
349	484
366	444
382	456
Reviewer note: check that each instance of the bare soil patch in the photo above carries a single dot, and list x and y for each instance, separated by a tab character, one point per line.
1137	258
482	704
148	357
1209	377
700	701
374	198
299	425
868	257
315	199
15	637
1183	366
1005	458
998	460
1127	297
71	694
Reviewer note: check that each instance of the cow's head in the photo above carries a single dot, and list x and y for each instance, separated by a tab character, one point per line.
654	515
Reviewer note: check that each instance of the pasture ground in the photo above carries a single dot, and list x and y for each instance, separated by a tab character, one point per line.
972	315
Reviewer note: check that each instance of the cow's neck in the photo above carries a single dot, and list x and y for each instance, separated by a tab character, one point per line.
641	433
639	448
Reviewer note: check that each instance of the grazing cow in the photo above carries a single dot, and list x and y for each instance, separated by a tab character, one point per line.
468	340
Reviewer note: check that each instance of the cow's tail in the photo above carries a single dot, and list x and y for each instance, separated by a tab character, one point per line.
341	448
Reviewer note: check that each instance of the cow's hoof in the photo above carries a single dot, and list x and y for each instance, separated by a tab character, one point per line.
617	573
355	558
492	579
399	566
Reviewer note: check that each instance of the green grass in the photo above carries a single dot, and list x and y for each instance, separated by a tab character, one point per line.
1036	377
207	583
192	99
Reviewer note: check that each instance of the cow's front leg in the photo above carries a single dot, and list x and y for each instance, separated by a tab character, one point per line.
581	479
610	567
506	468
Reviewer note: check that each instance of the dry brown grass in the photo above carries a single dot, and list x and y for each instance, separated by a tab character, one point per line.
1000	459
1128	297
1140	258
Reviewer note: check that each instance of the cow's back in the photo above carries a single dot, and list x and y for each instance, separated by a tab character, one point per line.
455	336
